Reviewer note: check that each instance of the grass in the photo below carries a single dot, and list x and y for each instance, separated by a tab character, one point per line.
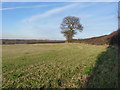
50	65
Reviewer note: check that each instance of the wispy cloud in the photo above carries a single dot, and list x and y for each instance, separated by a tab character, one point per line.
11	8
49	13
95	17
54	11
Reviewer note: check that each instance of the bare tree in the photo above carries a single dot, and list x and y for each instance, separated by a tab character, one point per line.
69	26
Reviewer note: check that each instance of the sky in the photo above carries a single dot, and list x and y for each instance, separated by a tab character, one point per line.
60	0
41	20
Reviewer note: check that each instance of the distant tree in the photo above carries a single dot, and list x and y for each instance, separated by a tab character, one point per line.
69	26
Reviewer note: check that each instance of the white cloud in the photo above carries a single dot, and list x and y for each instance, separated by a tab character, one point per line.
35	30
11	8
49	13
55	11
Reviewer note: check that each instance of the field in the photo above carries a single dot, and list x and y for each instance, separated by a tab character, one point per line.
59	65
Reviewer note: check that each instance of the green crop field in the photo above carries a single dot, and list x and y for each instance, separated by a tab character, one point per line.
59	65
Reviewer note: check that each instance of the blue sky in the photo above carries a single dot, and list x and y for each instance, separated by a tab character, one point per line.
41	20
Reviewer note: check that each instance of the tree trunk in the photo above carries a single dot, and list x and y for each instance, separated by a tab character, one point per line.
69	39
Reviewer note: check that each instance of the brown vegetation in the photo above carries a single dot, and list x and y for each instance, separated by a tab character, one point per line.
18	41
111	39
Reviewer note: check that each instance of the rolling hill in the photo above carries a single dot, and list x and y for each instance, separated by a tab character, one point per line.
112	39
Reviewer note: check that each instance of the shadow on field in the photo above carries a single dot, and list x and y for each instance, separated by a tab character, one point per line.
105	72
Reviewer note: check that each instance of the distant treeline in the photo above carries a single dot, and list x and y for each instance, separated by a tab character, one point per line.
17	41
111	39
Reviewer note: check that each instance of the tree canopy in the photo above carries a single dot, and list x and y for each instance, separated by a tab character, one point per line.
69	26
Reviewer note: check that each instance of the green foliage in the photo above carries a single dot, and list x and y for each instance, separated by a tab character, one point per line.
50	65
105	72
